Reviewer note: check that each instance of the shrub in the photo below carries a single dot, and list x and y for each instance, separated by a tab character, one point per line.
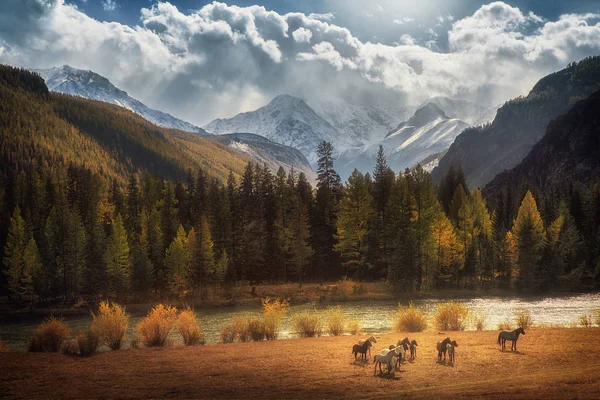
3	348
307	324
227	333
50	336
504	326
273	313
585	320
479	321
88	342
452	316
256	327
239	324
134	342
353	326
153	330
410	319
111	324
523	319
70	347
597	317
188	327
336	321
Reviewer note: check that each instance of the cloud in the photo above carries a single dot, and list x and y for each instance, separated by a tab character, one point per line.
108	5
403	20
222	59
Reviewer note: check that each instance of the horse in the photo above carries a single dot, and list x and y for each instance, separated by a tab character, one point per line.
441	348
450	347
512	336
370	339
362	349
387	357
413	349
400	350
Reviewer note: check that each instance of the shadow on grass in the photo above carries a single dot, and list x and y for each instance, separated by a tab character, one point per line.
516	353
389	376
360	363
446	364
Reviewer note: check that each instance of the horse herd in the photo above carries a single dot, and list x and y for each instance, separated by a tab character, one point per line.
394	355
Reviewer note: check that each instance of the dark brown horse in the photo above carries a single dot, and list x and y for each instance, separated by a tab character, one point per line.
512	336
413	349
441	348
361	349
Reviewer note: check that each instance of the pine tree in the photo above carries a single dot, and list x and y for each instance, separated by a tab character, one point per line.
300	248
326	175
13	254
383	180
202	257
31	279
447	249
169	214
177	261
116	258
354	215
528	230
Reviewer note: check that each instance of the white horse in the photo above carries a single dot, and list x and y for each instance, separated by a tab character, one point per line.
386	357
370	339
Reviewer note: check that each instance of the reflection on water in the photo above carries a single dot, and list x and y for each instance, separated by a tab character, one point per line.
374	316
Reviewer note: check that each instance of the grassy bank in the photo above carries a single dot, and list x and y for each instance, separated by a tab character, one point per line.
551	363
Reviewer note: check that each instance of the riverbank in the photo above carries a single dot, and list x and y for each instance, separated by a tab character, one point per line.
551	363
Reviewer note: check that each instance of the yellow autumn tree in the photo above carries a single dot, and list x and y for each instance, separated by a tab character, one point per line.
447	249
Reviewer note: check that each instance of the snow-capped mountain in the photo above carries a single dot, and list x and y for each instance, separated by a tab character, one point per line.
467	111
265	151
427	132
366	123
287	120
88	84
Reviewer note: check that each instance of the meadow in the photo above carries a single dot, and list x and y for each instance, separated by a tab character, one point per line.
550	363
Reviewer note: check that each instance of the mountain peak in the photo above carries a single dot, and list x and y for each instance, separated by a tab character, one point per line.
428	113
287	100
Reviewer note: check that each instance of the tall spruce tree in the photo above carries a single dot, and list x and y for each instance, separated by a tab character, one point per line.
116	258
528	230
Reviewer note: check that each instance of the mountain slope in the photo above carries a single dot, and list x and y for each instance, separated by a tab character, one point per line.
568	152
88	84
469	112
49	128
428	131
519	124
267	152
287	120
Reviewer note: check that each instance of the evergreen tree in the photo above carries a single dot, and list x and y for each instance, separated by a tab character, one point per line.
447	253
31	279
326	175
116	258
177	262
528	230
169	214
202	257
382	186
300	248
13	254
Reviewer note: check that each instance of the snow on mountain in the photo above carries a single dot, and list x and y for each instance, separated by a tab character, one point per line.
265	151
467	111
427	132
365	123
92	86
287	120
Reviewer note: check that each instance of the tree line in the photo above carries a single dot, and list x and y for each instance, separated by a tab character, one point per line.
69	232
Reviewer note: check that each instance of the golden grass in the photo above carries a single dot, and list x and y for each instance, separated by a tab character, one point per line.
586	320
273	312
189	328
111	324
227	333
452	316
154	329
239	324
335	321
70	347
88	342
504	326
319	368
523	319
50	336
353	327
410	319
479	321
597	317
308	324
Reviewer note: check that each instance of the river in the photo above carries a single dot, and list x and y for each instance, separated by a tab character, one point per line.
374	316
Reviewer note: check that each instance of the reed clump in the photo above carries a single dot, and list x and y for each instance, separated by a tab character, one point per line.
88	342
111	324
154	329
410	319
273	313
523	319
189	328
50	336
452	316
308	324
335	321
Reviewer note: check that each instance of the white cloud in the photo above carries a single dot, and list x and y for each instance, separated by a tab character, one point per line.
107	5
223	59
403	20
302	35
322	17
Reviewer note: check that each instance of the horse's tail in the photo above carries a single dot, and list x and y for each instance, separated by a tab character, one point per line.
499	336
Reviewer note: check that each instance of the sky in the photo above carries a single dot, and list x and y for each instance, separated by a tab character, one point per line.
200	60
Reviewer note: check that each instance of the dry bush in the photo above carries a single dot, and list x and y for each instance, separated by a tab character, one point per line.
479	322
3	348
111	324
256	327
154	329
452	316
504	326
586	320
353	326
336	321
273	313
227	333
134	342
307	324
50	336
239	324
189	328
70	347
523	319
597	317
88	342
410	319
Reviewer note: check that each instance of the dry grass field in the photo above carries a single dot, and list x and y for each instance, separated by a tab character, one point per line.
551	363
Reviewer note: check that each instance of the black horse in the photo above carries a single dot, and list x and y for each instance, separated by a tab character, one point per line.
361	349
441	348
512	336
